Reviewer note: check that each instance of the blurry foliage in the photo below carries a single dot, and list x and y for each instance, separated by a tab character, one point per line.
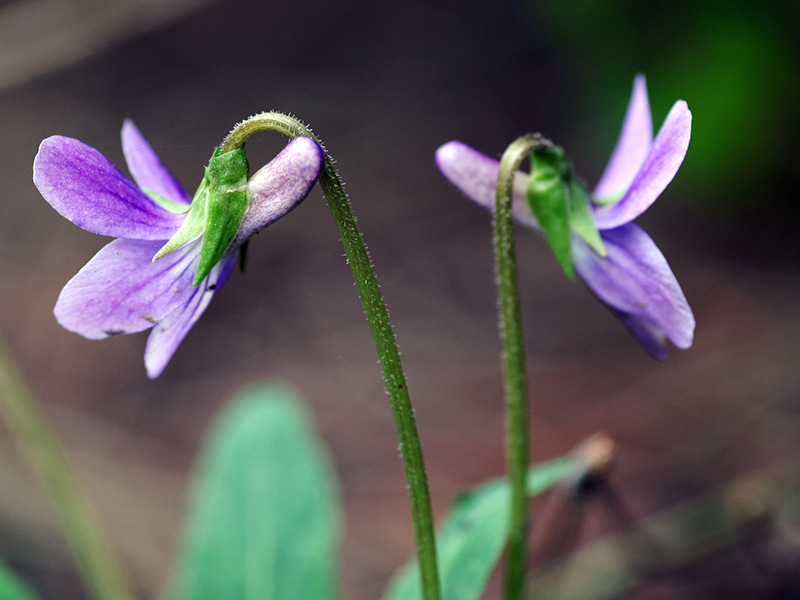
12	587
264	515
734	61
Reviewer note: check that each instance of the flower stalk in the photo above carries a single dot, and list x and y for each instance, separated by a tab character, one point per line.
515	383
382	334
33	434
612	254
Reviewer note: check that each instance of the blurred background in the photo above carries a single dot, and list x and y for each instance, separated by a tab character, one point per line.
384	84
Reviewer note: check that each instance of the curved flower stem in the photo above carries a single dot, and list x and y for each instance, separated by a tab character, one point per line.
35	438
382	334
517	412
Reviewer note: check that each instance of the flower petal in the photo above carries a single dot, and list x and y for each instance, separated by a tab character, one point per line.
280	185
83	186
121	290
475	175
635	280
169	333
632	146
146	168
662	162
653	340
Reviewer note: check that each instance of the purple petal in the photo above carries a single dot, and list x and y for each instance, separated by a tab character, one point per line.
146	168
662	162
632	146
475	175
169	333
83	186
635	280
121	290
280	185
653	340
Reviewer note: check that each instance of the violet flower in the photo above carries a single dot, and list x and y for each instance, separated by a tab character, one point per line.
122	289
633	279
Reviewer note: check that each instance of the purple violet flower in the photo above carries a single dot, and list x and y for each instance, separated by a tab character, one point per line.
634	279
122	289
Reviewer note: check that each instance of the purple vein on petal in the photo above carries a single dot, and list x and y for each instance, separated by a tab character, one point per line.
122	290
633	144
146	167
83	186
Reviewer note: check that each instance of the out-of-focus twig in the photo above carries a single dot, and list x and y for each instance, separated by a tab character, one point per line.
557	526
745	509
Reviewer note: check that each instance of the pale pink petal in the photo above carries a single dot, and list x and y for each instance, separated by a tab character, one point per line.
280	185
475	175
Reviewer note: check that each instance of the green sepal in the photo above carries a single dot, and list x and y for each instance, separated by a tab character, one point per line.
225	205
216	211
611	199
170	205
548	200
192	227
581	218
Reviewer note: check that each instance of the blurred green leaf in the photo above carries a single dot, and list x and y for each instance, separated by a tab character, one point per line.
471	540
263	521
12	587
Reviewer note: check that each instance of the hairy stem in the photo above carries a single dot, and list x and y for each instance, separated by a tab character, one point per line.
516	389
382	334
38	441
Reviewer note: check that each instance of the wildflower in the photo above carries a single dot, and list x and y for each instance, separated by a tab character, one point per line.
633	278
123	289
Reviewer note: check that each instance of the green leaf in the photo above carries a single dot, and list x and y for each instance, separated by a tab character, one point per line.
226	202
549	202
263	520
581	218
12	587
471	540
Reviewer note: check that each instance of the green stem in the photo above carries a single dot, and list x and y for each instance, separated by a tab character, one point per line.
382	334
39	442
517	412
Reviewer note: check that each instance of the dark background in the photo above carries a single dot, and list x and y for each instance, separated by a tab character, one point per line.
384	84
